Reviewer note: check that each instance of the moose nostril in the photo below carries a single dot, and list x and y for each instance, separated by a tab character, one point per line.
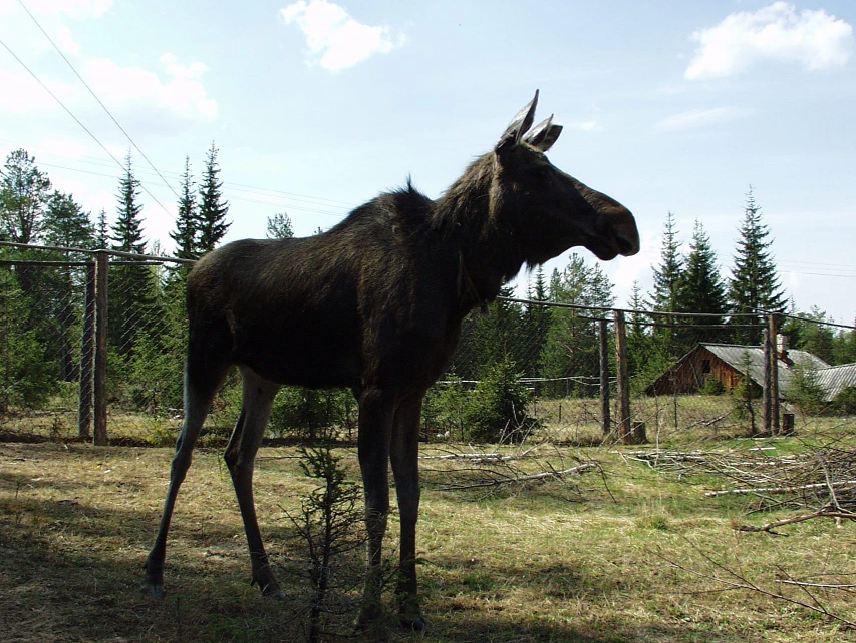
625	247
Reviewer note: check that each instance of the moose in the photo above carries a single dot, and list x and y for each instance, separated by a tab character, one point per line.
375	305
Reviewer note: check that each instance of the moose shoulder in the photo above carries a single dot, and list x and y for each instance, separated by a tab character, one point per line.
375	305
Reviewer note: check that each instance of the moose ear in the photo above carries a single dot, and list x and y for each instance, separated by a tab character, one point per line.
544	135
518	125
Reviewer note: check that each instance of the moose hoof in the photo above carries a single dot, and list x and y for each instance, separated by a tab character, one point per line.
414	625
371	629
155	590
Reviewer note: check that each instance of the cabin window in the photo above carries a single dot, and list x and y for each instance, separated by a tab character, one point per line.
705	367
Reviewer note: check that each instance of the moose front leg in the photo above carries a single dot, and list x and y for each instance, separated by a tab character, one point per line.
375	428
405	467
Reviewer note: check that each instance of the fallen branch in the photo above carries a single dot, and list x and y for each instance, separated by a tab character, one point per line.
823	513
507	480
777	490
478	458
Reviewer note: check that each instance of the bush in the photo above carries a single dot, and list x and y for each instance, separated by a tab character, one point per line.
845	401
497	408
301	412
443	407
804	392
712	386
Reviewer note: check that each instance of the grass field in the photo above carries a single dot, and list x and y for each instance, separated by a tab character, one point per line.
619	553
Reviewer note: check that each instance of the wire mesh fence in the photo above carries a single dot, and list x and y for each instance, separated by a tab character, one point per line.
565	372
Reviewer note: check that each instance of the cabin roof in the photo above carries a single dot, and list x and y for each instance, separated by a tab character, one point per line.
835	379
736	356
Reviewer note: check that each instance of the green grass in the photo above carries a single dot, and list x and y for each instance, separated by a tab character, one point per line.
591	559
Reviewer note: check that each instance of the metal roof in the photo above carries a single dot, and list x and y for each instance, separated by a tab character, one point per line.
835	379
738	356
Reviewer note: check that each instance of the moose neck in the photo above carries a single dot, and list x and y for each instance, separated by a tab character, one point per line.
479	215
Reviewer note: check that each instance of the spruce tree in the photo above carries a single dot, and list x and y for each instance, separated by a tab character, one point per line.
131	288
754	280
668	274
212	225
102	231
68	226
701	289
185	233
664	297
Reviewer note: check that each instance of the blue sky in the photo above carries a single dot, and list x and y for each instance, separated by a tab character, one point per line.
317	106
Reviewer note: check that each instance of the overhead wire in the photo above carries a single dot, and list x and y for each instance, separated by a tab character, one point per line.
77	120
98	100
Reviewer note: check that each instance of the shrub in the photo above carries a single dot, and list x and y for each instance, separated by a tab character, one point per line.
804	392
712	386
845	401
497	409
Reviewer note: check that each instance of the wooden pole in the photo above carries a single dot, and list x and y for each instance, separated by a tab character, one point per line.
604	378
769	366
100	378
87	354
774	373
623	378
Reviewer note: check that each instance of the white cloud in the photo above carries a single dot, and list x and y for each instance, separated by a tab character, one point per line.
335	40
699	118
139	89
813	39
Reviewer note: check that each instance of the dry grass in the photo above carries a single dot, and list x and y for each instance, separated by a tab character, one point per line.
562	561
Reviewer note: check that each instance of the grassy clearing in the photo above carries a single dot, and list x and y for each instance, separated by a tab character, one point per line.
584	560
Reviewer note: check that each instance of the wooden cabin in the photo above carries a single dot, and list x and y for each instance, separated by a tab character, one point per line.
729	364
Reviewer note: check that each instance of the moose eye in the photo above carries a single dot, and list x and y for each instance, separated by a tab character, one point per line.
542	172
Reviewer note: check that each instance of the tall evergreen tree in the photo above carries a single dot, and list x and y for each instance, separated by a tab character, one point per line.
571	350
536	323
279	226
132	292
127	230
701	289
24	193
102	230
186	232
212	225
664	297
668	274
65	225
754	280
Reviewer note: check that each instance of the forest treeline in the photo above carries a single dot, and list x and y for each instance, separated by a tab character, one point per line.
42	306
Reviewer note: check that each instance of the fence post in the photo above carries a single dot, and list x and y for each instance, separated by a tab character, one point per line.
87	346
623	378
769	364
100	378
773	330
604	378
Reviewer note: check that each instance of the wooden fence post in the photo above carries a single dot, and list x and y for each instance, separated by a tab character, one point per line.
623	378
774	373
604	378
100	378
769	366
87	347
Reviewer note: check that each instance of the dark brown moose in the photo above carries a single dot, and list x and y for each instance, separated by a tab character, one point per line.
375	305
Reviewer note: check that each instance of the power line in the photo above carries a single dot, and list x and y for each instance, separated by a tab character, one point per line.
230	196
77	120
98	100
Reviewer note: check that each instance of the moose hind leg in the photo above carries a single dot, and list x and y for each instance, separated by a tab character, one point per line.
240	458
198	397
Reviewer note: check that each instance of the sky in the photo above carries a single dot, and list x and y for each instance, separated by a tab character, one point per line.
316	107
